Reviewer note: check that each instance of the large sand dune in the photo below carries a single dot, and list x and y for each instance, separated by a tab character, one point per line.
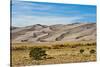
58	32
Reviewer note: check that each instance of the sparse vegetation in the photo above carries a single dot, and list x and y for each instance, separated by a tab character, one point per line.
26	53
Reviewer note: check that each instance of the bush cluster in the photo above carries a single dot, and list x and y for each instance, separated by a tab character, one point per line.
37	53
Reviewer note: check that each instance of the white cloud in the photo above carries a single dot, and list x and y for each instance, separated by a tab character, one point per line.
30	20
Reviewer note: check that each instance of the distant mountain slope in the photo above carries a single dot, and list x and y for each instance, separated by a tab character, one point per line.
58	32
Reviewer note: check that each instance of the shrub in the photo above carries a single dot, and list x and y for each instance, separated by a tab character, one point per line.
59	46
92	51
37	53
94	43
88	44
56	46
81	51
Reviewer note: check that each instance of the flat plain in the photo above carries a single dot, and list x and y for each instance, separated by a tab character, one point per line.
57	53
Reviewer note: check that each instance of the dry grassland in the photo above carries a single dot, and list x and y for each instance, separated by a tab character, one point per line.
56	53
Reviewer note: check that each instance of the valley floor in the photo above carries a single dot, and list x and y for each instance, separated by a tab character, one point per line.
56	53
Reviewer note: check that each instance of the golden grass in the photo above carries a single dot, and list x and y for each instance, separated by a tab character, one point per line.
57	53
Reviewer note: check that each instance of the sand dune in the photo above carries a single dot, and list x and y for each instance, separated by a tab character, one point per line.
58	32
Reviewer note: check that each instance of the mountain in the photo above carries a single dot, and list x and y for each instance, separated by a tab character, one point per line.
58	32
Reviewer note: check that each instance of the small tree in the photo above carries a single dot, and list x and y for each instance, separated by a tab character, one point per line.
37	53
81	51
92	51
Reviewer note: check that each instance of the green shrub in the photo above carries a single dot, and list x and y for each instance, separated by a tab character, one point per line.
37	53
81	51
92	51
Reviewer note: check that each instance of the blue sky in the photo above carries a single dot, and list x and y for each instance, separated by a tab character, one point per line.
26	13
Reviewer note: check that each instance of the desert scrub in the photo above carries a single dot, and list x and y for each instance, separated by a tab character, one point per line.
91	44
43	47
81	51
59	46
92	51
20	48
37	54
